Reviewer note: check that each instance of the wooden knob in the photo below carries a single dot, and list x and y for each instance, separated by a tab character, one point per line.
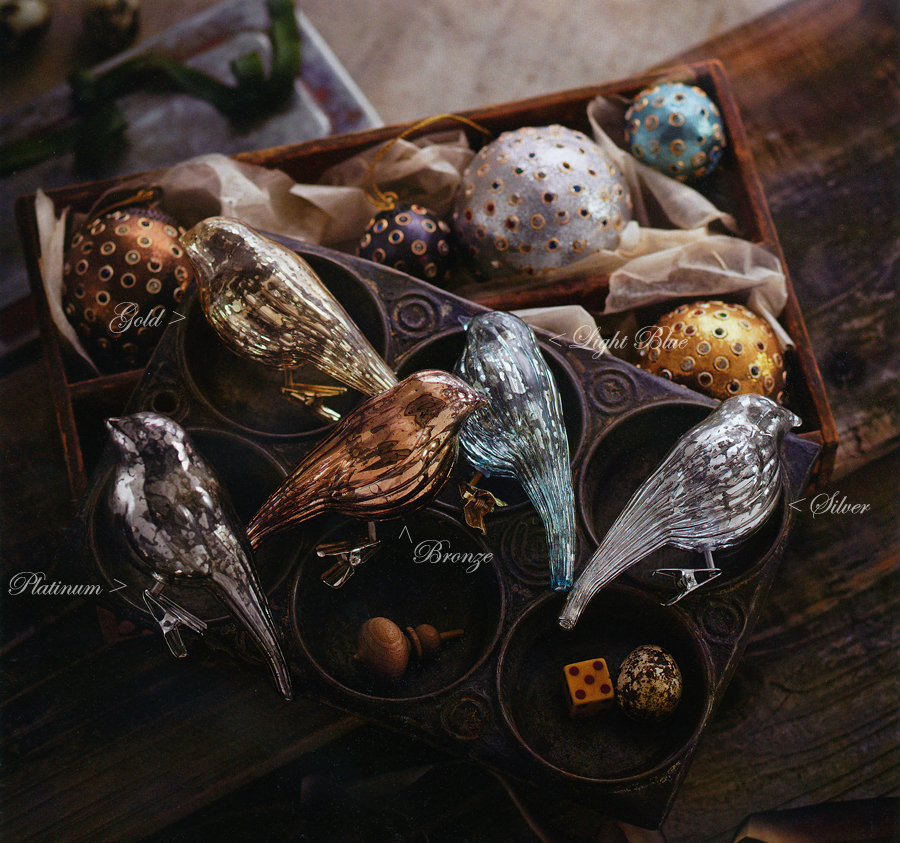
383	647
386	650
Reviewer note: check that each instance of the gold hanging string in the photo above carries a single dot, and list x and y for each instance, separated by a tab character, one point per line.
384	201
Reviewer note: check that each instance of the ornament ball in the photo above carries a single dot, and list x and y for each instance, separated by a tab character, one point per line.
676	129
411	239
716	348
123	275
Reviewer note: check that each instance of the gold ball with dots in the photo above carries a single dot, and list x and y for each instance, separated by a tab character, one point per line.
717	348
123	276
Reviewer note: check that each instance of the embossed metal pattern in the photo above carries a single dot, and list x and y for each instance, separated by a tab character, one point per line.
624	772
174	513
391	455
718	484
267	303
520	432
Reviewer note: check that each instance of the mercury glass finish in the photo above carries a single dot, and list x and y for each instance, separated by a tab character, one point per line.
718	485
520	432
267	303
389	456
178	519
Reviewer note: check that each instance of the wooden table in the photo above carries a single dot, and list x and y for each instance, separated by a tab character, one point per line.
118	742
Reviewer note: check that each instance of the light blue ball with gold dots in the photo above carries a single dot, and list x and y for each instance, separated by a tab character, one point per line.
676	129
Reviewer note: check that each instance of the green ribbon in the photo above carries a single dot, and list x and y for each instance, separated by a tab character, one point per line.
97	120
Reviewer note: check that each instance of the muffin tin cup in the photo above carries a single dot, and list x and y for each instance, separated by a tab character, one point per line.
494	694
427	569
608	747
616	467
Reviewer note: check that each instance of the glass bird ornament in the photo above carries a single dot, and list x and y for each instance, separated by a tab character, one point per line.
267	303
520	432
391	455
719	484
178	520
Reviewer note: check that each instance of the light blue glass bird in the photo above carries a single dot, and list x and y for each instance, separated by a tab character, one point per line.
520	432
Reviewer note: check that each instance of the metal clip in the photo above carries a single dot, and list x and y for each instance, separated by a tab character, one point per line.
350	555
478	503
173	616
312	395
686	578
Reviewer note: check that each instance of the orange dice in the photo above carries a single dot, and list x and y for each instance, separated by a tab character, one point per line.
589	687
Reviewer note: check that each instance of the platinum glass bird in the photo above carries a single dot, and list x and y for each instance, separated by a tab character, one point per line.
267	303
392	454
520	432
718	485
178	519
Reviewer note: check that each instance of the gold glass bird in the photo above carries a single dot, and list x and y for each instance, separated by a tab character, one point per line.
267	303
389	456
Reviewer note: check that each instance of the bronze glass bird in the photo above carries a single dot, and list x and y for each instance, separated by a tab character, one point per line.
178	519
267	303
520	432
718	485
390	455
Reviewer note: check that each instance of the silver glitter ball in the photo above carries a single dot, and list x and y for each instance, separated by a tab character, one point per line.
537	198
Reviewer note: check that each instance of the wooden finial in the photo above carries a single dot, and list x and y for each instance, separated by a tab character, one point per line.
426	640
386	650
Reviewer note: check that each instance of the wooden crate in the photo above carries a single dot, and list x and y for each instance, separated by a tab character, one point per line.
82	401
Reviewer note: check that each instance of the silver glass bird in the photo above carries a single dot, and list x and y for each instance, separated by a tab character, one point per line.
178	520
718	485
520	432
267	303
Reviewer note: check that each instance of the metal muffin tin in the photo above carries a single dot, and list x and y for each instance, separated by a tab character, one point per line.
494	695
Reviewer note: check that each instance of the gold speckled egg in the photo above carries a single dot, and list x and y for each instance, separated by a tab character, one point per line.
124	274
649	684
715	348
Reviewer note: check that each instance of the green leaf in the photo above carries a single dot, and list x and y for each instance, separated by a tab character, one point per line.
100	120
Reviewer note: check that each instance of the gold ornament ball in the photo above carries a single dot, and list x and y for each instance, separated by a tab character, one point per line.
715	348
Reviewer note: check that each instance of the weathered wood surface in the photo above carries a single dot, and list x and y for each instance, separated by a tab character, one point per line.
118	741
811	715
818	88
